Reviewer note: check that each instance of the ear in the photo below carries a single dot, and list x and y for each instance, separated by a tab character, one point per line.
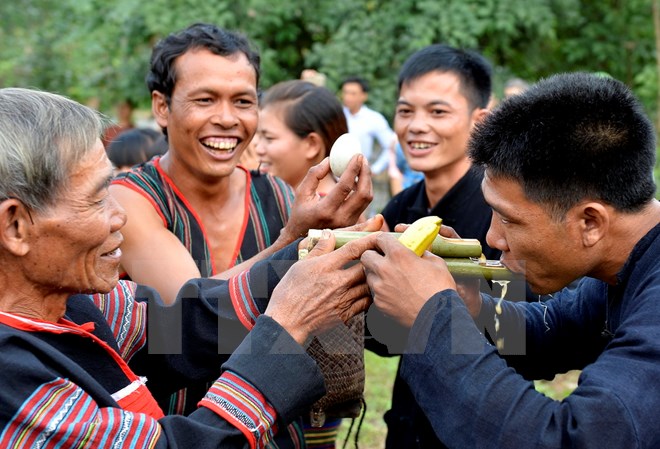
14	223
159	108
593	220
479	114
314	148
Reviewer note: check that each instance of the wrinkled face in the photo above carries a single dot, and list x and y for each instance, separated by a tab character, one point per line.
353	96
546	251
433	121
213	112
75	246
281	152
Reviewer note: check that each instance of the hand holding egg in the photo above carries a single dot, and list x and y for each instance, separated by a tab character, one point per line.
344	148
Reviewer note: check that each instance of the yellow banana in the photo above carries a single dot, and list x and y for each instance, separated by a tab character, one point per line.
419	235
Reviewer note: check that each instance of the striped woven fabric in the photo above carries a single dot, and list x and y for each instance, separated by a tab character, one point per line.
322	437
45	421
125	316
236	400
268	200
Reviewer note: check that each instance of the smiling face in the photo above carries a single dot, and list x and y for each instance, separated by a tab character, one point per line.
75	243
213	112
433	121
281	152
547	251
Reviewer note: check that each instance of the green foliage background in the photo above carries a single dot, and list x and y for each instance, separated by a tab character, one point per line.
99	49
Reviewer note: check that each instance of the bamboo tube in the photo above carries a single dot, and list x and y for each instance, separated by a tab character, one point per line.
462	256
491	270
441	246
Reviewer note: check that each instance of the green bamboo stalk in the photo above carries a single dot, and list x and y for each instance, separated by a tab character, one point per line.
491	270
441	246
462	256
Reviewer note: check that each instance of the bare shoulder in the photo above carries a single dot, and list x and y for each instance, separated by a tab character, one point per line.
136	205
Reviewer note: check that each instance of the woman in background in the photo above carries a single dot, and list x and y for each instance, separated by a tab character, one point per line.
298	123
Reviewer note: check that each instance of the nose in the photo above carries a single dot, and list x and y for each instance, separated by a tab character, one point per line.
259	146
224	115
494	237
418	123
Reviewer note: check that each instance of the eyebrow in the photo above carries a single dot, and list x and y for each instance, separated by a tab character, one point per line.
430	103
104	183
494	208
210	91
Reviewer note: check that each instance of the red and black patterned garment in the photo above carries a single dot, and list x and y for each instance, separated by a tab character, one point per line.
81	382
268	203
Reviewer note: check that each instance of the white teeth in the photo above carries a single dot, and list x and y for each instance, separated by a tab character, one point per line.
420	146
222	145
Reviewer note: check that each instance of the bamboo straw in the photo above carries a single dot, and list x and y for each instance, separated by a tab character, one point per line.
462	256
441	246
491	270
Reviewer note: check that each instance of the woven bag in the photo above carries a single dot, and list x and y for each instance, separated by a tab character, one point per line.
339	354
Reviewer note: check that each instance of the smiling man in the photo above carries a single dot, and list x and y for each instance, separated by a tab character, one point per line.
79	369
443	94
194	212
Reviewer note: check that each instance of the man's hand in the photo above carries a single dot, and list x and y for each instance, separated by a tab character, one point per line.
401	282
373	224
468	288
340	207
326	288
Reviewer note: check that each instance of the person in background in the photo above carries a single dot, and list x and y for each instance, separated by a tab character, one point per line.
443	94
370	126
124	121
314	77
249	160
298	124
194	213
74	347
569	176
132	147
515	86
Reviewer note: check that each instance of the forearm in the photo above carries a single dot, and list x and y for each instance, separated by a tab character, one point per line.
191	338
473	399
284	240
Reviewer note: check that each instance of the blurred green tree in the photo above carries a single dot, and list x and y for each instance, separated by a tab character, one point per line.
100	48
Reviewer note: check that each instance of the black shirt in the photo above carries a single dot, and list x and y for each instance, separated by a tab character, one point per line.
463	208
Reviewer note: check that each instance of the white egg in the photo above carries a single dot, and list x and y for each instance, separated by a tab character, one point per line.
342	151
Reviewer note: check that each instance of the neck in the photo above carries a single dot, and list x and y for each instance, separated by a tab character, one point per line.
27	302
627	231
439	182
194	189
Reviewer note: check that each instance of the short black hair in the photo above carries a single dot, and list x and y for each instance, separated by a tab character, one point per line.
162	76
132	147
571	137
364	84
473	70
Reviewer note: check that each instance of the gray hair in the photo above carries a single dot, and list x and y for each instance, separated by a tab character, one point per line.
42	137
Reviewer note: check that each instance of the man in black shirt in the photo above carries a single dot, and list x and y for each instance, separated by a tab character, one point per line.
443	93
